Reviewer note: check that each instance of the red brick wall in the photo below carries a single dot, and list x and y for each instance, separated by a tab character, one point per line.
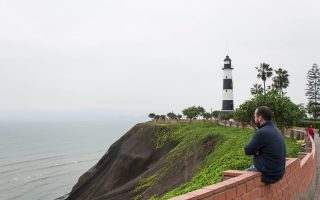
297	183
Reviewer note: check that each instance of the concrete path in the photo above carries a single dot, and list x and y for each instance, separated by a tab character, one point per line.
317	141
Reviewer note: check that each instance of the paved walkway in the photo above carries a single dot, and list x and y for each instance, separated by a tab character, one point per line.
317	191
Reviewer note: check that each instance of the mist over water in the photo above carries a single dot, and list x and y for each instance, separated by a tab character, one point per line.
43	160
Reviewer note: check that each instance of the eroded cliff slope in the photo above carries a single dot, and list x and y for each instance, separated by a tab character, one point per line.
147	161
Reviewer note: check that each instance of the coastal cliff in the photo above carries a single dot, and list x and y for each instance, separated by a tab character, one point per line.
139	165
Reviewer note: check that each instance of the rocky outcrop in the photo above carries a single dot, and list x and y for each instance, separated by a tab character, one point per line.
135	168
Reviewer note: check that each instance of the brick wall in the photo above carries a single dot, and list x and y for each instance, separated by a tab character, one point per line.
298	182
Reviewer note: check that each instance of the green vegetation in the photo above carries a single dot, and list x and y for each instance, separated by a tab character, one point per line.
307	122
207	115
264	72
313	91
256	90
281	80
143	184
193	112
285	113
215	114
172	115
151	115
164	134
226	116
227	152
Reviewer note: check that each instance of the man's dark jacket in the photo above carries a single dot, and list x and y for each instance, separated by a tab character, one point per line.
269	152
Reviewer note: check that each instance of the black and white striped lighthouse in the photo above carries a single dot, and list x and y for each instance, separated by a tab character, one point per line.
227	101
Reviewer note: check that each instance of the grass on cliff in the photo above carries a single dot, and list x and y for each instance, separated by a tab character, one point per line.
228	152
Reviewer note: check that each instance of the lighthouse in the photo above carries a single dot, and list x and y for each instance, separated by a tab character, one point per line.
227	97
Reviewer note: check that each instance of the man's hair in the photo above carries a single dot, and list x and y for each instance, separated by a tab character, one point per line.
265	112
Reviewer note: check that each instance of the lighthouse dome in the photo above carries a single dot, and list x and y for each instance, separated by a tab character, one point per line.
227	58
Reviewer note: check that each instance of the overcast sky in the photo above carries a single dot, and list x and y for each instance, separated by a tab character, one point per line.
136	57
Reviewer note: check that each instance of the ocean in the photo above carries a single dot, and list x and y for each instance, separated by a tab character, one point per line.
43	160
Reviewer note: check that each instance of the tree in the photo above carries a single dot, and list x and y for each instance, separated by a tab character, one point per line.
190	112
303	109
285	112
206	115
193	112
201	110
179	116
226	116
156	117
152	115
281	80
256	89
215	114
171	115
163	117
313	88
314	109
264	72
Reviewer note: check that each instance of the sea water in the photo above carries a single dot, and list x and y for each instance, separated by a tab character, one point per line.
43	160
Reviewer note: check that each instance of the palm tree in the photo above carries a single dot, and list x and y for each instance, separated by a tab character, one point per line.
281	80
264	72
256	90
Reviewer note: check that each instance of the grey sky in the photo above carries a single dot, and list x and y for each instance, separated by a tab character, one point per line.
136	57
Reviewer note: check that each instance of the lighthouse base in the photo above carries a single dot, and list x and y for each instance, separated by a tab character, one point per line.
226	111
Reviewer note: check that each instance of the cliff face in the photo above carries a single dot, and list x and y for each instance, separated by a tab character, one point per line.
139	166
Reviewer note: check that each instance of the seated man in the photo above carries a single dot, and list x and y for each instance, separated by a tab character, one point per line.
267	147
